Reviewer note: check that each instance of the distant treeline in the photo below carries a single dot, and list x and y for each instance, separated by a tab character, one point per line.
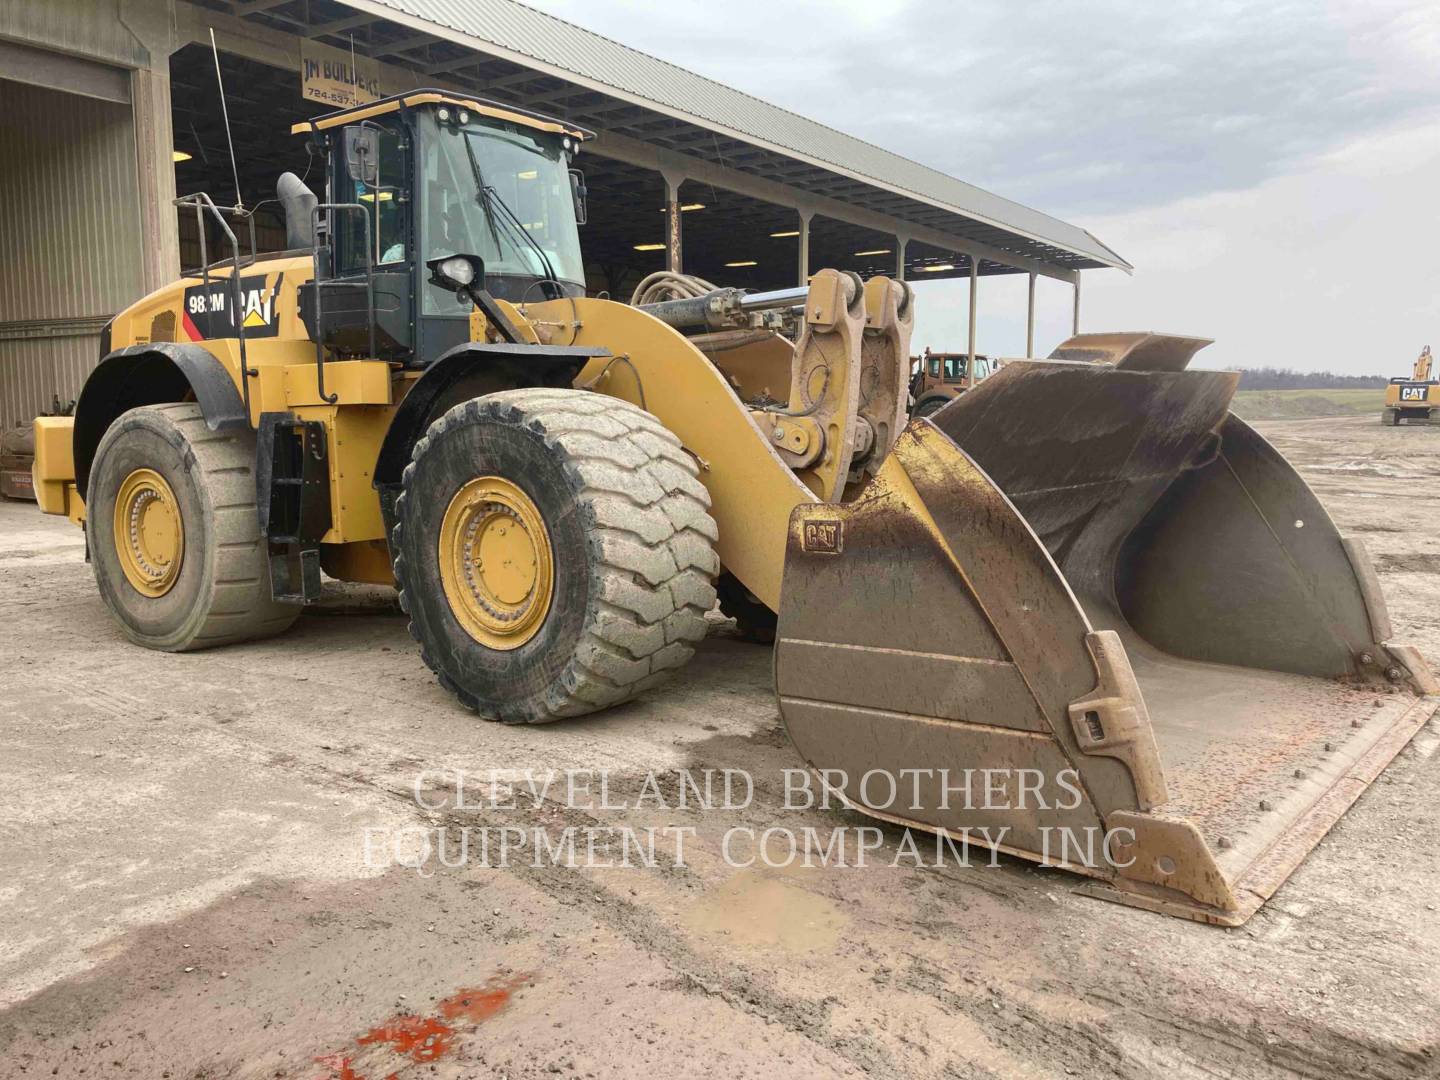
1273	378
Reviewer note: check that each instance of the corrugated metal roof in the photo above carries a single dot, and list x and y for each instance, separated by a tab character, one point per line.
534	38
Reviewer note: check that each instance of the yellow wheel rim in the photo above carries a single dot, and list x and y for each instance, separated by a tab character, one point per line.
149	535
496	563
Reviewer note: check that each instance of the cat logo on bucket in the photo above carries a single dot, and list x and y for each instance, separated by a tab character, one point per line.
823	537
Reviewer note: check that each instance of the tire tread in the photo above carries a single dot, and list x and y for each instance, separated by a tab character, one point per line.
654	574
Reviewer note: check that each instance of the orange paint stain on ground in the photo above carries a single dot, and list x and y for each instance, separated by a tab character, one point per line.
476	1004
423	1038
429	1038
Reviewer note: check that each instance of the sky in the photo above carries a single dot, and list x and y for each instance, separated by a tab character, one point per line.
1271	169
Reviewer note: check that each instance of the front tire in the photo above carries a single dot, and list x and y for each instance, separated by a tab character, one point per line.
555	552
930	406
174	534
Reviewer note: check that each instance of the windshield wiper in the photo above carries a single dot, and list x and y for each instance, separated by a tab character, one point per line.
490	200
518	228
482	190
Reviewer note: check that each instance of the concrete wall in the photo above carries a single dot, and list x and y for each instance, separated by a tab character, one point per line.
69	239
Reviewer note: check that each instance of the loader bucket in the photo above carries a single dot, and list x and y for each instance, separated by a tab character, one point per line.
1097	583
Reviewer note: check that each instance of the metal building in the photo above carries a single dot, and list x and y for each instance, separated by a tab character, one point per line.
109	108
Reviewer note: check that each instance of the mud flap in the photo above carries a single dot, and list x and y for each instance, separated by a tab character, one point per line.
1058	580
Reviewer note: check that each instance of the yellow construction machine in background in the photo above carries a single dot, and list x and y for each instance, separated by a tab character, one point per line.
1413	398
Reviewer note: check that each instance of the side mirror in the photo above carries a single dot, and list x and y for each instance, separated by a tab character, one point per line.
458	272
362	154
578	191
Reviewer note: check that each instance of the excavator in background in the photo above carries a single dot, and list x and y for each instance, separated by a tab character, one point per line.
1084	582
1413	398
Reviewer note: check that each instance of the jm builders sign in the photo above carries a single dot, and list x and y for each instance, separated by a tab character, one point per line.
337	76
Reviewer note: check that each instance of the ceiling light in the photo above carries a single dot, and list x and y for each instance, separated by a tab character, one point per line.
529	175
746	262
180	155
781	235
649	247
687	207
877	251
935	269
369	196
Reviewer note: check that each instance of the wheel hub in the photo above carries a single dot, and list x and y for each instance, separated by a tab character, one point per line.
149	533
496	562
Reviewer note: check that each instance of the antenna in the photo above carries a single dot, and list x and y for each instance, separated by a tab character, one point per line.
225	112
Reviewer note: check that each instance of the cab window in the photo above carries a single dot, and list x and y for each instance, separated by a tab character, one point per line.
934	367
955	368
385	204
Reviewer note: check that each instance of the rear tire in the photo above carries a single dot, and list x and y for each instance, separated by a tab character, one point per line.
212	585
602	502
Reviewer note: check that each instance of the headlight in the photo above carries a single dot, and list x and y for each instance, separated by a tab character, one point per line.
458	270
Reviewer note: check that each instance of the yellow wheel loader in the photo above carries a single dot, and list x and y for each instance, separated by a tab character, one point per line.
1084	578
939	378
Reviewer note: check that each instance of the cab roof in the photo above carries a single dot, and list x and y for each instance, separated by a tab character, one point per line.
411	98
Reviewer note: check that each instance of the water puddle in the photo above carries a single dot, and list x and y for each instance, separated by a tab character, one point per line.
767	910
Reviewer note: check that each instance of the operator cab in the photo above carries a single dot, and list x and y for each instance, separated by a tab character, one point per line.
428	175
953	368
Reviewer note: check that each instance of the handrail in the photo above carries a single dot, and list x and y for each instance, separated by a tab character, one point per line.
202	203
320	284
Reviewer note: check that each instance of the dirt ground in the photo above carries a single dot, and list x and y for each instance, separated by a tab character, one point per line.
187	894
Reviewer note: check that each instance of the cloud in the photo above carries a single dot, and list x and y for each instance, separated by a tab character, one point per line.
1074	108
1269	168
1326	268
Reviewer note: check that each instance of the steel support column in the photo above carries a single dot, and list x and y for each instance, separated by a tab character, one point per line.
1030	320
974	290
674	251
1075	318
804	245
901	242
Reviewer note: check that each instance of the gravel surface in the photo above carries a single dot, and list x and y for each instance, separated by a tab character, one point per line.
188	892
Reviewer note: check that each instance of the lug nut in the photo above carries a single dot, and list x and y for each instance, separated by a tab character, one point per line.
1394	674
1367	658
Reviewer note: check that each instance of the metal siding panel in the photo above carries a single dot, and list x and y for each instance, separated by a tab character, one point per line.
549	40
68	219
69	236
34	371
91	28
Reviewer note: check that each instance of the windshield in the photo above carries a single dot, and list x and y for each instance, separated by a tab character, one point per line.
527	175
